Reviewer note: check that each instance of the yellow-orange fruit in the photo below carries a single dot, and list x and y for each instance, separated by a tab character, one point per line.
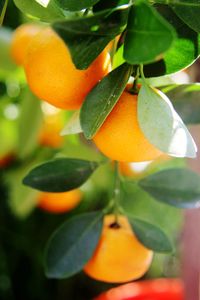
120	137
53	77
21	38
59	202
50	132
119	256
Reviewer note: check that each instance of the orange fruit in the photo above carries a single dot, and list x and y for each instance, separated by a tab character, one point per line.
120	137
50	132
119	256
20	41
53	77
59	202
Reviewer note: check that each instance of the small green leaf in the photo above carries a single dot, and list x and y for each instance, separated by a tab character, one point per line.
6	63
189	12
86	37
186	101
29	130
176	187
148	36
184	50
73	126
151	236
60	175
101	100
34	9
162	125
75	5
72	245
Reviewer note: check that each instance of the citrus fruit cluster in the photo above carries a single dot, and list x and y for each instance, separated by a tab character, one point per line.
52	77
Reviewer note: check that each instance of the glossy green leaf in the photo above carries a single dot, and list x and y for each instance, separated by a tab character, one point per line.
189	12
101	100
34	9
186	101
60	175
72	245
29	130
162	125
86	37
184	51
148	35
176	187
151	236
75	5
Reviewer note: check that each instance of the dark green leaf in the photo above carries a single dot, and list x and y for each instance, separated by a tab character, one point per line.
72	245
60	175
148	36
177	187
29	131
86	37
151	236
166	131
101	100
105	4
186	101
32	8
75	5
189	12
184	50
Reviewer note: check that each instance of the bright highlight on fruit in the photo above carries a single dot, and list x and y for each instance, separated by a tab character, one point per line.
52	75
22	36
59	202
120	137
119	256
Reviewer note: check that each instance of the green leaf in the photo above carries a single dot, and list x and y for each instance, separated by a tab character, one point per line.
184	51
162	125
86	37
60	175
176	187
34	9
73	126
151	236
189	12
6	63
29	129
101	100
75	5
186	101
148	36
72	245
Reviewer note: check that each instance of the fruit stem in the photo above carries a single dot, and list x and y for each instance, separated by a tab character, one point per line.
117	194
2	15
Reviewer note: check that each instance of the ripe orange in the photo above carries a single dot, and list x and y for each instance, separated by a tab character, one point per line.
50	132
154	289
59	202
20	41
52	75
120	137
119	256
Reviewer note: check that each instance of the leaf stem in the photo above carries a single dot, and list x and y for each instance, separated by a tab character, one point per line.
3	12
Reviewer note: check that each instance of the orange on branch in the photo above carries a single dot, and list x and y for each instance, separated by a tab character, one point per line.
53	77
59	202
120	137
21	39
119	256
